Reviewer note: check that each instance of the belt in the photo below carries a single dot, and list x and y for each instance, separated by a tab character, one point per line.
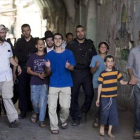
81	70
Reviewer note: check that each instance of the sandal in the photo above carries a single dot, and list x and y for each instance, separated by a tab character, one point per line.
55	131
34	118
136	135
42	124
64	125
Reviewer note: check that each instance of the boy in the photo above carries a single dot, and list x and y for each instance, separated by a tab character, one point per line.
59	63
97	66
38	83
107	89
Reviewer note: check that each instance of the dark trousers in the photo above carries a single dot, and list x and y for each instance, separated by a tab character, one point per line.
137	108
96	110
84	79
24	91
109	111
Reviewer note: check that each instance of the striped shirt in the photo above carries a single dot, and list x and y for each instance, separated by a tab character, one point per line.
109	80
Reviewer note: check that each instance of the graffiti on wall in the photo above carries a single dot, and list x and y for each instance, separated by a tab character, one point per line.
123	39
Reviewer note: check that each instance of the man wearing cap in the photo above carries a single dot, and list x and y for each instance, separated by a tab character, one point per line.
24	47
6	78
49	41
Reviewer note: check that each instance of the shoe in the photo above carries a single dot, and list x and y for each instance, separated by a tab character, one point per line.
13	124
22	116
76	122
84	118
136	135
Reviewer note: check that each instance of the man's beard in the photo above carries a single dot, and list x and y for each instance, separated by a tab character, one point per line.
1	39
49	46
80	38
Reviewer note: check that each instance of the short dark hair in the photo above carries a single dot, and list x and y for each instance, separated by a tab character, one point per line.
101	43
108	56
79	26
40	39
58	34
69	34
25	25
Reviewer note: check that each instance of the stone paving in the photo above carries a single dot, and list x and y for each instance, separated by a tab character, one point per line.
30	131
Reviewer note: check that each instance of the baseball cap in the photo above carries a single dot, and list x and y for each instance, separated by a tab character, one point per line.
3	27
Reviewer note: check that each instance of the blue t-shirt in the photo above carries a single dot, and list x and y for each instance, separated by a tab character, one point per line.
99	69
61	76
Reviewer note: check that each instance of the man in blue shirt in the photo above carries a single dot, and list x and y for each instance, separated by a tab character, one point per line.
133	67
59	63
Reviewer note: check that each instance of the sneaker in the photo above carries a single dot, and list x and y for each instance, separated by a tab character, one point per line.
84	118
136	135
13	124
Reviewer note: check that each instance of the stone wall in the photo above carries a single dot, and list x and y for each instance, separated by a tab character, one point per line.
118	23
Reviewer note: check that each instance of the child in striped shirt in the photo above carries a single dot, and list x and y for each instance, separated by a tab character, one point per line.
107	90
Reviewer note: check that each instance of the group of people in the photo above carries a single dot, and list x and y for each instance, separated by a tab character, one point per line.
53	75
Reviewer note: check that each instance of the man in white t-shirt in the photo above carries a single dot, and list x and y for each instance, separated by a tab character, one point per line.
6	77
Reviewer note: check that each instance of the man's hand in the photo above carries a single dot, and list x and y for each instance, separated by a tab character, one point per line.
43	74
19	70
97	63
67	64
40	76
133	80
48	63
97	103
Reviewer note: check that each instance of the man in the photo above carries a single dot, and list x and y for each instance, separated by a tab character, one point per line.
83	50
49	41
133	67
69	37
23	49
59	63
6	78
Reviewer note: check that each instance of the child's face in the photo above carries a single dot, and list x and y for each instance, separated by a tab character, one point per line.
109	63
40	45
103	49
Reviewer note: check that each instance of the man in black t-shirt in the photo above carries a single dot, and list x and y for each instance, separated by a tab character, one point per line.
23	49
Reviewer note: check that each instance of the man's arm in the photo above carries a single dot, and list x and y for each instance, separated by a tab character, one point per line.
124	82
14	63
93	69
29	71
14	70
71	67
99	95
130	66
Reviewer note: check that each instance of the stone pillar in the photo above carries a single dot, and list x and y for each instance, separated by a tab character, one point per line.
91	21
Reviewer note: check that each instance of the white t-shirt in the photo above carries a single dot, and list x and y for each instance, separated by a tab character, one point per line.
49	49
5	55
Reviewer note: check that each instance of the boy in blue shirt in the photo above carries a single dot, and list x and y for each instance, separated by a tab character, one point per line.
97	66
59	62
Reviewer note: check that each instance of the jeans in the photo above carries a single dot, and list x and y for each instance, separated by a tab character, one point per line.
109	111
137	108
39	100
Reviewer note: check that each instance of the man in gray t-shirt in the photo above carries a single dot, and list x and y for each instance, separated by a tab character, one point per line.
133	67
